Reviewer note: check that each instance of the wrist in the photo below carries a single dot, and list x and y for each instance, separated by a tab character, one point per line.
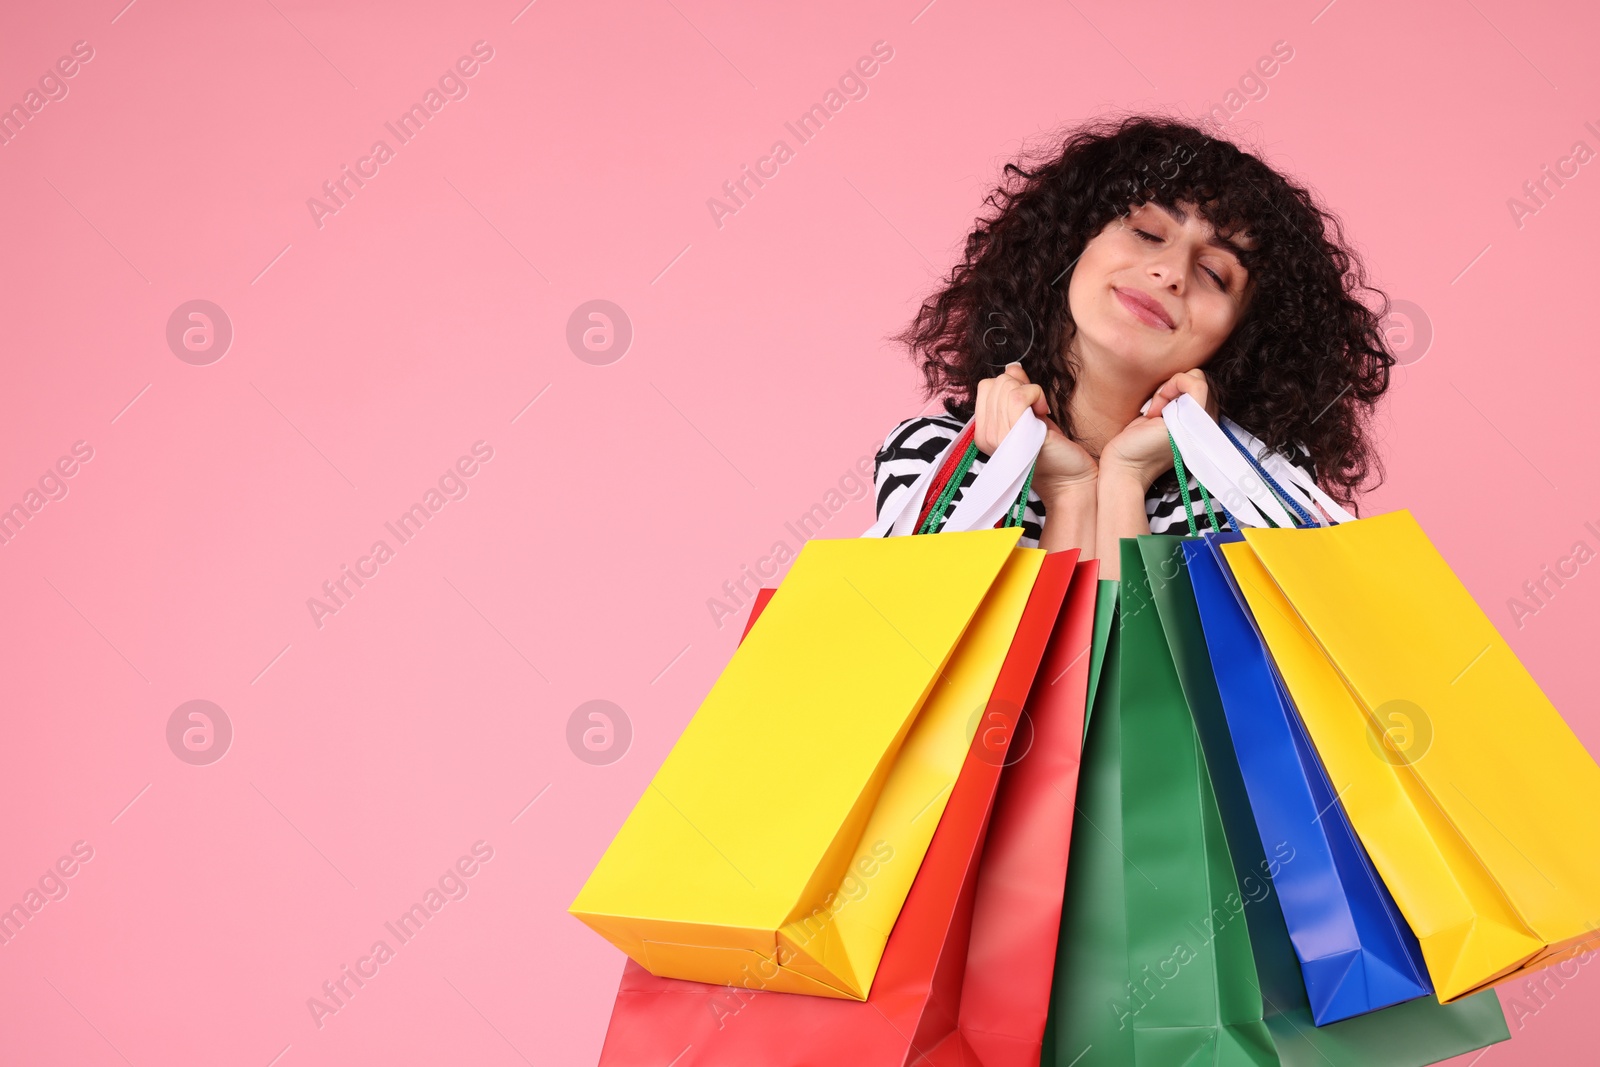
1082	487
1127	477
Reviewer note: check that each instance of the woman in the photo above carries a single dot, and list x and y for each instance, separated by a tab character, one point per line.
1141	259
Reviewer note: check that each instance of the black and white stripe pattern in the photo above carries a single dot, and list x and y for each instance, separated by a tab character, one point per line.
913	446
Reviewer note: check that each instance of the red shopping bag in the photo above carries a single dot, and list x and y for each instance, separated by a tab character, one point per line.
917	1006
1010	960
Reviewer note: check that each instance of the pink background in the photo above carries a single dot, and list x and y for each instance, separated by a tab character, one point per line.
369	354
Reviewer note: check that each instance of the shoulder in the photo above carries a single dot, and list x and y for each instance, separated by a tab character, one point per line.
920	438
916	443
909	449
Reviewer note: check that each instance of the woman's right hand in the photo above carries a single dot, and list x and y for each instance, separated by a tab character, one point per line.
1001	400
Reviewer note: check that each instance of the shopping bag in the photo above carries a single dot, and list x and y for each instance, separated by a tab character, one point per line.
757	606
1416	1031
1092	951
1185	903
1355	950
914	1004
1483	820
1005	988
1138	980
1475	801
753	846
1105	614
1172	950
824	754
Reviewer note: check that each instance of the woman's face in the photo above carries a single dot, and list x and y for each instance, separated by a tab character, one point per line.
1156	293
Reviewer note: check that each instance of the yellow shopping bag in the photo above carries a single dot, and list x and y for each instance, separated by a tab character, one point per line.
775	846
1478	805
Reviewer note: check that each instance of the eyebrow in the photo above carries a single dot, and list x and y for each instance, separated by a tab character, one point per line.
1181	216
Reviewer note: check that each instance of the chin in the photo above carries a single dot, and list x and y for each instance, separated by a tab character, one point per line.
1129	346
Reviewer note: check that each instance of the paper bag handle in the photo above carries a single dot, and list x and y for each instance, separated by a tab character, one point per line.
985	501
1218	465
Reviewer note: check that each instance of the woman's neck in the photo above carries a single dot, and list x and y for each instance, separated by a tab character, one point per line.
1100	408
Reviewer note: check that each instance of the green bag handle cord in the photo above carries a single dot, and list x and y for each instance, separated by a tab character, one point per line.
1014	516
1183	491
942	504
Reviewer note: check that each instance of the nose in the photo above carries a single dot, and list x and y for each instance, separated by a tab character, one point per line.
1170	268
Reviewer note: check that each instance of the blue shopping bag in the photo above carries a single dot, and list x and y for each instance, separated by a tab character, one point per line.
1355	950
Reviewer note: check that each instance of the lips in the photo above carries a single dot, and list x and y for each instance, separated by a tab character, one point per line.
1144	308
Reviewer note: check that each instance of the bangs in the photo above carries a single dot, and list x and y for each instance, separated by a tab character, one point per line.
1207	176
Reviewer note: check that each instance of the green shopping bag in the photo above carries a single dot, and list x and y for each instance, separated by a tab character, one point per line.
1164	958
1105	615
1104	1011
1092	953
1193	994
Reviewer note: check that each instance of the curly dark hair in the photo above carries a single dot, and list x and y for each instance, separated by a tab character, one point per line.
1306	364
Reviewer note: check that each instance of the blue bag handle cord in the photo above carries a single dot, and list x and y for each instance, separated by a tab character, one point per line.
1289	501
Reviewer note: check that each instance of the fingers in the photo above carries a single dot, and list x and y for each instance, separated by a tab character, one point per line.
1033	394
980	414
1192	382
997	426
988	429
1000	402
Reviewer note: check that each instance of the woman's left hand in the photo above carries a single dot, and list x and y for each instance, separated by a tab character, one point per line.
1141	450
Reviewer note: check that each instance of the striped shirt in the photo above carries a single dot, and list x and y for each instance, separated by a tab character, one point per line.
914	445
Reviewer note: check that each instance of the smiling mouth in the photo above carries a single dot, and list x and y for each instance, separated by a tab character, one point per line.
1142	311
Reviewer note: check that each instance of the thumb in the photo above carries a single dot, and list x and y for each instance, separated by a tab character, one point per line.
1039	405
1015	370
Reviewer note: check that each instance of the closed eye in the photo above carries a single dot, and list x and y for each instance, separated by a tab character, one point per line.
1156	240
